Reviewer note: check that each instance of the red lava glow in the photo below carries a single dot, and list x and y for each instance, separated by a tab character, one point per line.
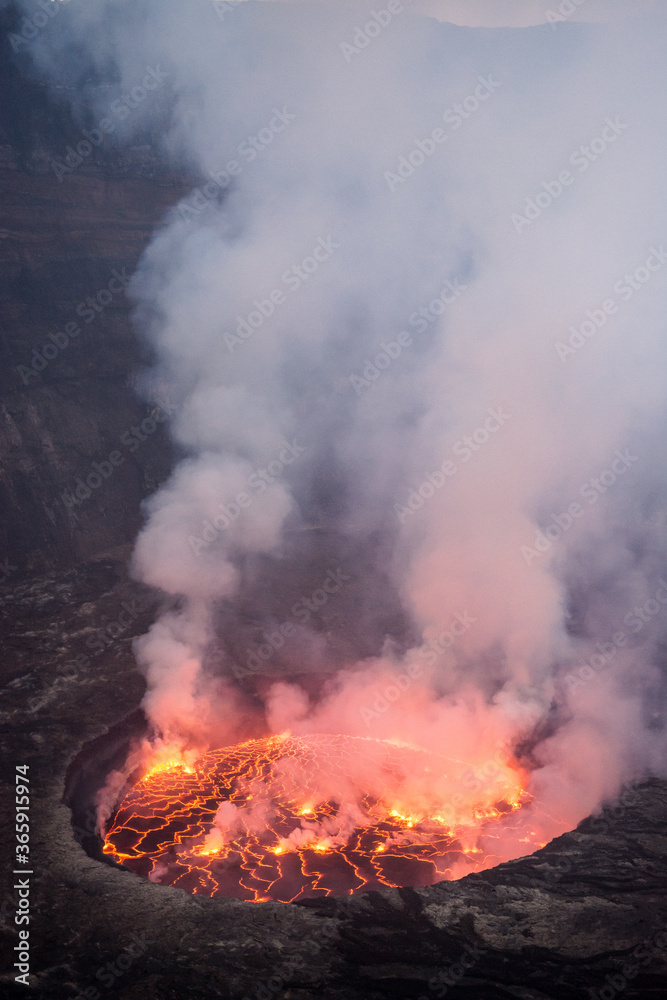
288	817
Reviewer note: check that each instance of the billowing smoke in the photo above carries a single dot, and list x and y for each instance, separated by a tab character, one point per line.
411	322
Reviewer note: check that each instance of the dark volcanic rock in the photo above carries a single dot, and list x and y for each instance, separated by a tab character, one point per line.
591	905
67	397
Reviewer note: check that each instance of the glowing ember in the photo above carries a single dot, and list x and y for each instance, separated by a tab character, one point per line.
286	817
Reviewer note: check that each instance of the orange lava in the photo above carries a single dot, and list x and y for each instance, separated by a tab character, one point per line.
288	817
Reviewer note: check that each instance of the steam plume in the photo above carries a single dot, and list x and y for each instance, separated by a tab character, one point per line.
451	347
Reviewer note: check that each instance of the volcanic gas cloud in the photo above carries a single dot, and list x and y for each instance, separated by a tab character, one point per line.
410	327
288	817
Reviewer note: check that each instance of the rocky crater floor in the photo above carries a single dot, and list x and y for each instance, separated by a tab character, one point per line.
584	917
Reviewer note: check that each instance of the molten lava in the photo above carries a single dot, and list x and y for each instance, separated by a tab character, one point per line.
288	817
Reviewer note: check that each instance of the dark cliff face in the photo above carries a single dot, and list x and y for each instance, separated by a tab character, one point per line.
68	244
78	450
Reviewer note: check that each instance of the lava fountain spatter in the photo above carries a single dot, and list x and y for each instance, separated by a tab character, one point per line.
288	817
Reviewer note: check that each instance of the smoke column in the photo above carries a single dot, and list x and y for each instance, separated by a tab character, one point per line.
420	283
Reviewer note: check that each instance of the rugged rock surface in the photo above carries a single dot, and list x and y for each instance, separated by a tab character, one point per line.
62	242
591	905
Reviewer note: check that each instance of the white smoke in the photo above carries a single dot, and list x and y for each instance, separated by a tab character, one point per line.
431	256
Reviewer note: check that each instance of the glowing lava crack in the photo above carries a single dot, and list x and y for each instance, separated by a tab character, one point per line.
288	817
